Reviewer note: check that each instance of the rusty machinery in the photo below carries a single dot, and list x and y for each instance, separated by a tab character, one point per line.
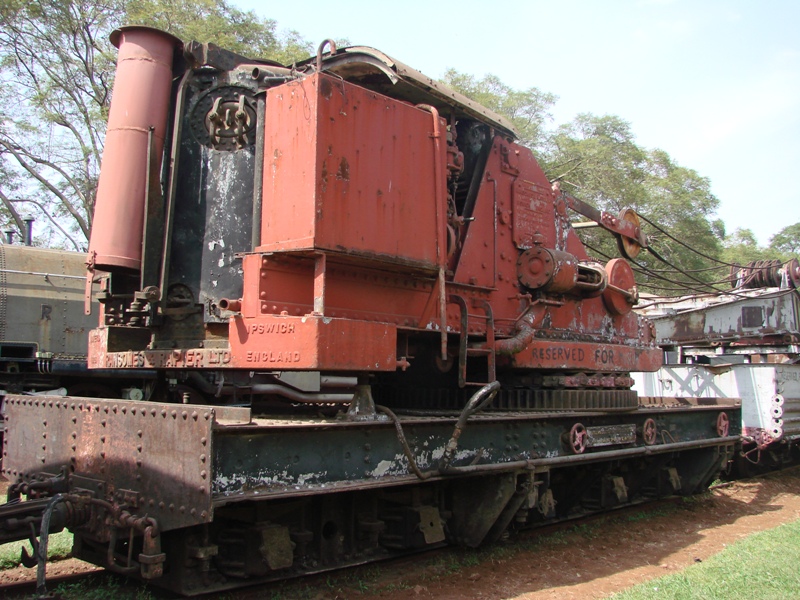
374	327
741	344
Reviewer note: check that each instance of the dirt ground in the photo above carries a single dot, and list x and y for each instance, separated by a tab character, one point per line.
594	561
619	552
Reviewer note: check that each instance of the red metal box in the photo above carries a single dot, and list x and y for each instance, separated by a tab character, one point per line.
312	342
349	171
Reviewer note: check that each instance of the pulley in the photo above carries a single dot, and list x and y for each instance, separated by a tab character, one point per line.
621	293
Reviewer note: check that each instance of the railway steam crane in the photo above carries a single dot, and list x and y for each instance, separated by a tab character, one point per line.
374	328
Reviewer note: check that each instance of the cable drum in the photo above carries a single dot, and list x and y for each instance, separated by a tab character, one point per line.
757	274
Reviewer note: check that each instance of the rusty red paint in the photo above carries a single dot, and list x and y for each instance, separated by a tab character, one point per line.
621	291
345	173
154	456
552	354
140	104
356	230
312	342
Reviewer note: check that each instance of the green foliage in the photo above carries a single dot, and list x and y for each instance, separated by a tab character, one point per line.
764	564
741	247
597	159
528	110
787	240
219	22
102	586
57	68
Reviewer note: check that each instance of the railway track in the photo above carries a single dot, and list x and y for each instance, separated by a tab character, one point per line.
128	588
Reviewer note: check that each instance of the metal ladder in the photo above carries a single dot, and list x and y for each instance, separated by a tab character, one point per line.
465	350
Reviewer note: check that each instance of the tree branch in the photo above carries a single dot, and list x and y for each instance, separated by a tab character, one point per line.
54	190
53	221
14	214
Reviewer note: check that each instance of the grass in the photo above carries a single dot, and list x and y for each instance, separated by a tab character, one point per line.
764	565
59	547
102	586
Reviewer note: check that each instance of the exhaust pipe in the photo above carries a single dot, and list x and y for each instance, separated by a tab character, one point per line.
29	230
139	108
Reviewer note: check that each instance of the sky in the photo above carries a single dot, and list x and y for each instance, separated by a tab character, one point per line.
715	83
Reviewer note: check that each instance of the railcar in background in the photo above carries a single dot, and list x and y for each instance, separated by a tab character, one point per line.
742	345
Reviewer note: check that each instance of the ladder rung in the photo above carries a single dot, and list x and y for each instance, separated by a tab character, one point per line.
479	351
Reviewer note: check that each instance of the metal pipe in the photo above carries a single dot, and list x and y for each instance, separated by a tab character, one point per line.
230	304
479	400
298	396
45	275
337	381
140	101
258	175
493	181
41	551
28	230
326	42
271	388
172	189
525	334
441	233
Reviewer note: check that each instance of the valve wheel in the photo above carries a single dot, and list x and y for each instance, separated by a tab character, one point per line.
649	432
723	424
578	438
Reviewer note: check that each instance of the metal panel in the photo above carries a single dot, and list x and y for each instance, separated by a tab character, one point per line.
770	393
271	458
155	457
348	170
375	70
214	198
43	291
312	342
761	316
612	358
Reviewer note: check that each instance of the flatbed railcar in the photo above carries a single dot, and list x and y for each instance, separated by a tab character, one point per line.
373	328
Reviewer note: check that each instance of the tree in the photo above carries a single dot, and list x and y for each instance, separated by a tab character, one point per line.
219	22
597	159
741	247
56	75
787	241
528	110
